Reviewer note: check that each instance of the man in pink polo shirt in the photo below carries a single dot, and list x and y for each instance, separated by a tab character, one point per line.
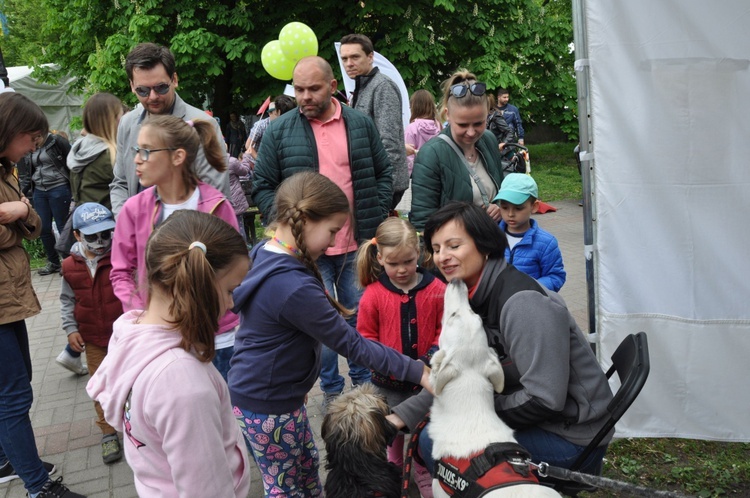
344	145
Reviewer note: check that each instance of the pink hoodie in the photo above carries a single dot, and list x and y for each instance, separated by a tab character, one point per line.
180	436
134	224
418	133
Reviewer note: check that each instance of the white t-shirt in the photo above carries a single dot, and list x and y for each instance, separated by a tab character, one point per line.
190	203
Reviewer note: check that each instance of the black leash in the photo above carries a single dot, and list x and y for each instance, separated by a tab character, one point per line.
411	453
546	470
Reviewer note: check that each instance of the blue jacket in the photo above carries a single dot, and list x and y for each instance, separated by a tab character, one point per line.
285	316
538	256
513	118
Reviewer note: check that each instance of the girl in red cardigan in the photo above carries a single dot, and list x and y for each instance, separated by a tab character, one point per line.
401	307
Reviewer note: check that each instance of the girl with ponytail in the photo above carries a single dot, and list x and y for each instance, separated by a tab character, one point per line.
164	160
286	317
157	384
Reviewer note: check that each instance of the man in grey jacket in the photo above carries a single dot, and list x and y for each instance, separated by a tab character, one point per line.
153	79
376	95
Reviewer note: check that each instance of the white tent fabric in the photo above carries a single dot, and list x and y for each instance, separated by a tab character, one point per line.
58	105
669	85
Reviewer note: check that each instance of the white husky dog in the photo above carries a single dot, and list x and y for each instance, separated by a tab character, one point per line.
465	372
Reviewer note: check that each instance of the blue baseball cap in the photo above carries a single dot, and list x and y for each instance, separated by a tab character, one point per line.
517	188
90	218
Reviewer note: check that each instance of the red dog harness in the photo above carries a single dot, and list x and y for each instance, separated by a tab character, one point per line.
498	466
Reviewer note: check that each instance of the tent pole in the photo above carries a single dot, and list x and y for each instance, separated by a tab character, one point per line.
580	43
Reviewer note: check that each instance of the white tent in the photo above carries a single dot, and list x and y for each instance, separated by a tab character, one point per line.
665	117
58	104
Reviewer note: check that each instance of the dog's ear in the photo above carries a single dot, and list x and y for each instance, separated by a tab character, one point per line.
443	374
494	372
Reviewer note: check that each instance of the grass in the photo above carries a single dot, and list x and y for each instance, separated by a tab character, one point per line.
36	252
553	166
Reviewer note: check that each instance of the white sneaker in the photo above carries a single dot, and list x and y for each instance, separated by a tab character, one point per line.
72	363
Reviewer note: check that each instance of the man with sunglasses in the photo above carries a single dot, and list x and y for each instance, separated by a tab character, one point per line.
153	79
376	95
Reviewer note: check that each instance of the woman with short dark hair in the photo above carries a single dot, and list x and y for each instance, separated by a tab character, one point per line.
556	395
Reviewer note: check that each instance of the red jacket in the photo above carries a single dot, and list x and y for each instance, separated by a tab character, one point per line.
96	307
407	322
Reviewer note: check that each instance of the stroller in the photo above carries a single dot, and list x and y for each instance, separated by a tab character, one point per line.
515	159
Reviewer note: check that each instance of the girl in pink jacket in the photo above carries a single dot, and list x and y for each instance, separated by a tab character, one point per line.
157	384
167	147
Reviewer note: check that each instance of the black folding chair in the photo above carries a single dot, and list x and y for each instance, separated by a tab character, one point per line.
631	362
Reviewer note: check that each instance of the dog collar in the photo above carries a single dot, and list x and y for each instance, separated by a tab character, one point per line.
498	466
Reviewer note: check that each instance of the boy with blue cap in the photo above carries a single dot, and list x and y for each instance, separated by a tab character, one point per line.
530	249
89	306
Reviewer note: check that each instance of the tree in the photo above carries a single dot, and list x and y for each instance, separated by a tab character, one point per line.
22	41
519	44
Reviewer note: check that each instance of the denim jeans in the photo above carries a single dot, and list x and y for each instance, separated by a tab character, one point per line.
16	435
544	446
340	278
221	360
52	204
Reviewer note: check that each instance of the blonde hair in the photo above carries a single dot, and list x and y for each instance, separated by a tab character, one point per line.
393	232
469	100
100	119
188	275
189	136
309	196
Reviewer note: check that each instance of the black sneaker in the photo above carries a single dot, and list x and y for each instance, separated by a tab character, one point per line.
49	269
56	489
8	473
328	398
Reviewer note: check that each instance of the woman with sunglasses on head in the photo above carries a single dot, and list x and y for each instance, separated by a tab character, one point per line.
164	162
463	162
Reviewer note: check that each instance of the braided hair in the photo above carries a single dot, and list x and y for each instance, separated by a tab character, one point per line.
309	196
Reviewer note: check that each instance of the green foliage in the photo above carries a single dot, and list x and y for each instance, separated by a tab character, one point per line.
24	45
520	44
36	252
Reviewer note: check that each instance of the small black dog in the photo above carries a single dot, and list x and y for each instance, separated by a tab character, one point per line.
356	434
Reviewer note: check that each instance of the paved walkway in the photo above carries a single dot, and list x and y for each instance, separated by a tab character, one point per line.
63	414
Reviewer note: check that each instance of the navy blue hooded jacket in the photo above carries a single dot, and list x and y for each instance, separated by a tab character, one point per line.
284	318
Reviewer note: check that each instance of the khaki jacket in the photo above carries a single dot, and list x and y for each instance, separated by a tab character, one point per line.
18	300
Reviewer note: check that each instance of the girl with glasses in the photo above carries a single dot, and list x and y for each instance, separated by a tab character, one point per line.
463	161
164	161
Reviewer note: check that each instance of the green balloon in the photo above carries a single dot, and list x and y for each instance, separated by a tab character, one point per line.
275	63
297	41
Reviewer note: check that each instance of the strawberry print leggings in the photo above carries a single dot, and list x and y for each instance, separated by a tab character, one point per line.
285	451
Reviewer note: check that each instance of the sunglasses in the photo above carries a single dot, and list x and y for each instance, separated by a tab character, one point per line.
160	89
459	91
145	153
95	237
271	109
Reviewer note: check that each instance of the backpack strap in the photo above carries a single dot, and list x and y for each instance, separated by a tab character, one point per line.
472	173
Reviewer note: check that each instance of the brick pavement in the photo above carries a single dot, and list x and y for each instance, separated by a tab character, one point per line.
63	414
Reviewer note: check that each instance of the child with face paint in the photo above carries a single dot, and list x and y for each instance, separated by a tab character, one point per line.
89	305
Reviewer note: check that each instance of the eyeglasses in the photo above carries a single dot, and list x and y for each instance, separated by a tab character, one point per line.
95	237
145	153
160	89
459	90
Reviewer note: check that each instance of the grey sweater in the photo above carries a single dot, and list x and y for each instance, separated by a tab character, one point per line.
125	183
552	378
378	96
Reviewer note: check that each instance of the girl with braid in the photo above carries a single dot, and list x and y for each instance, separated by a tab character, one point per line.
286	315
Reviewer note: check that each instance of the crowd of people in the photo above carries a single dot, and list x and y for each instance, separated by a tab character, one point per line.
195	345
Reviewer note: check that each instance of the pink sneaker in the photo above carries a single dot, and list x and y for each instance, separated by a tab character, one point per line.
423	479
